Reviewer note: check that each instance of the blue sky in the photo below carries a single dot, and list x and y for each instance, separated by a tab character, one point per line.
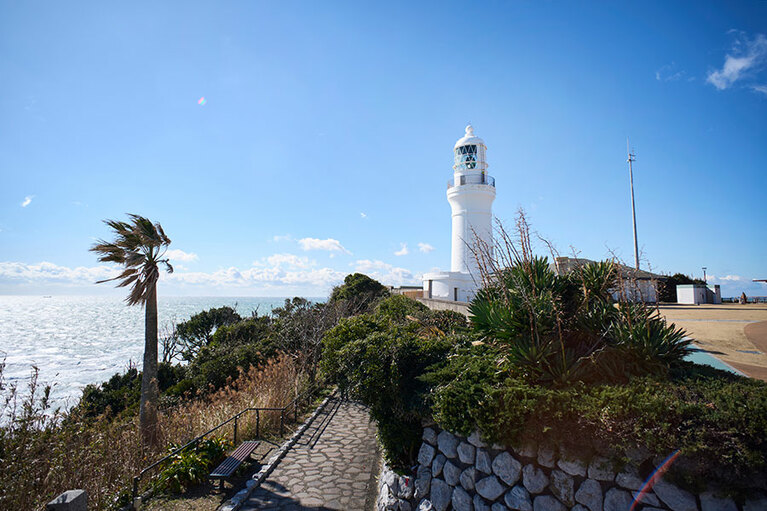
324	143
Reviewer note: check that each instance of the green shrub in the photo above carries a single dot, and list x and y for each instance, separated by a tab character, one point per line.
398	307
198	330
192	465
360	291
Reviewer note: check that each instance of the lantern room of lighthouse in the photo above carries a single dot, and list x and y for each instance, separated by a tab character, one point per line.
470	194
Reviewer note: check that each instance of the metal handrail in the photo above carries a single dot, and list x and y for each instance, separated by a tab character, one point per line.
292	404
462	180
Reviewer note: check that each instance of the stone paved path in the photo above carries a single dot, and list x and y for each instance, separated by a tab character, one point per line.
333	466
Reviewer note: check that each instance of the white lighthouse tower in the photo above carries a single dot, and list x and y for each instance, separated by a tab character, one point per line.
470	193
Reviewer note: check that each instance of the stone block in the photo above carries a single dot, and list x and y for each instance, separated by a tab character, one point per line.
466	453
617	500
476	440
483	462
403	505
674	497
601	469
563	487
572	466
490	487
755	504
499	507
70	500
547	503
546	456
590	495
441	494
534	479
448	444
709	501
629	478
438	464
422	483
648	499
425	505
468	478
528	449
480	504
429	436
518	499
406	487
462	500
426	454
451	473
507	468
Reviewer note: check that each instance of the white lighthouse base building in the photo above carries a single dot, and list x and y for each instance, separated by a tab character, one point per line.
470	194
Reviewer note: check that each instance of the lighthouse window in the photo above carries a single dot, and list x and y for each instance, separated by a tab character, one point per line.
466	156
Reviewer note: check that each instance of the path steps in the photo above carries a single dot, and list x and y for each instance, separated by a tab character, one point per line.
332	466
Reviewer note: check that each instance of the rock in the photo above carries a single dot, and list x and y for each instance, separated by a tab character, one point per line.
638	455
468	477
390	503
462	500
601	469
483	461
406	487
426	454
438	464
534	479
528	449
562	486
447	443
429	436
617	500
422	483
70	500
451	473
425	505
648	499
475	440
675	498
546	456
518	499
629	478
547	503
572	466
590	495
391	480
710	502
499	507
404	505
441	494
507	468
490	488
480	504
466	453
578	507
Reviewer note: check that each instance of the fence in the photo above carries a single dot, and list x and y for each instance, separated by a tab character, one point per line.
293	406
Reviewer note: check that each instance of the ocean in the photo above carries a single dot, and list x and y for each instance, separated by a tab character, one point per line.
77	340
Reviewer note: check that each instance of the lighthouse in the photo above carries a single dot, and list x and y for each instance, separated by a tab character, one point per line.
470	194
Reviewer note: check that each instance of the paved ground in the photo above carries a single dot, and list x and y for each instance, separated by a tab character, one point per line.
731	332
333	466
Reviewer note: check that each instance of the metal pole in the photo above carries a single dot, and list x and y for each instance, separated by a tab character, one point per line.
633	209
704	275
235	430
258	423
282	421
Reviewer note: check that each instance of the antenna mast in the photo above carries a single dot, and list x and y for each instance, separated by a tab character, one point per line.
631	159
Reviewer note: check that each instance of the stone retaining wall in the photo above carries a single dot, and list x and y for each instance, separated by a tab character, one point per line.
465	474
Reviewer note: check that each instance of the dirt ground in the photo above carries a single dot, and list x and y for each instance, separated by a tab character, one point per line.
736	334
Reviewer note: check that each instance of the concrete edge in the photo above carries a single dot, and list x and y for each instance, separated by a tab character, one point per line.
241	496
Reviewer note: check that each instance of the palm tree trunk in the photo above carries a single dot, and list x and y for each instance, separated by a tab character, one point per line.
150	392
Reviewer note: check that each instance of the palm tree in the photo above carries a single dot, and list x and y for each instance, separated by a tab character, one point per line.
139	246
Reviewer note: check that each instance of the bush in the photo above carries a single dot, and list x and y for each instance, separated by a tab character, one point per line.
192	465
360	291
198	330
397	308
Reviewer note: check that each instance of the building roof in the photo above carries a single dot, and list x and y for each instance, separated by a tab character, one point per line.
469	139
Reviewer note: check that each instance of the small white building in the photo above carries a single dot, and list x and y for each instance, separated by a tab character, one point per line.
470	194
696	294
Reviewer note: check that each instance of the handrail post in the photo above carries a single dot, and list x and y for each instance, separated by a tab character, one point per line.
134	493
282	422
258	423
235	429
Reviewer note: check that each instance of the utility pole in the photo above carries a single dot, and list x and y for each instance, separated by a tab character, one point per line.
632	158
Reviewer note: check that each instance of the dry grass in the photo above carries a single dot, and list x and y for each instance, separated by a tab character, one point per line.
43	455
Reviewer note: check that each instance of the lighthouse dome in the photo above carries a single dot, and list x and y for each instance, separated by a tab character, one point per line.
469	139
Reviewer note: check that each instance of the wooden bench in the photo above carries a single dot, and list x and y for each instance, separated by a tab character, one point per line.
230	464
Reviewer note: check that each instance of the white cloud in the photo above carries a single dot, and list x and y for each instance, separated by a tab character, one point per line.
363	215
282	237
179	255
27	201
403	250
759	88
669	73
385	273
52	273
425	248
726	278
289	260
329	245
746	55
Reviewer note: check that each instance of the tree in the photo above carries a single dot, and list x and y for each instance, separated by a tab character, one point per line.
140	247
359	291
198	330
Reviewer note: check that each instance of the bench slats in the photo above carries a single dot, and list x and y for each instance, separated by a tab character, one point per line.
230	464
